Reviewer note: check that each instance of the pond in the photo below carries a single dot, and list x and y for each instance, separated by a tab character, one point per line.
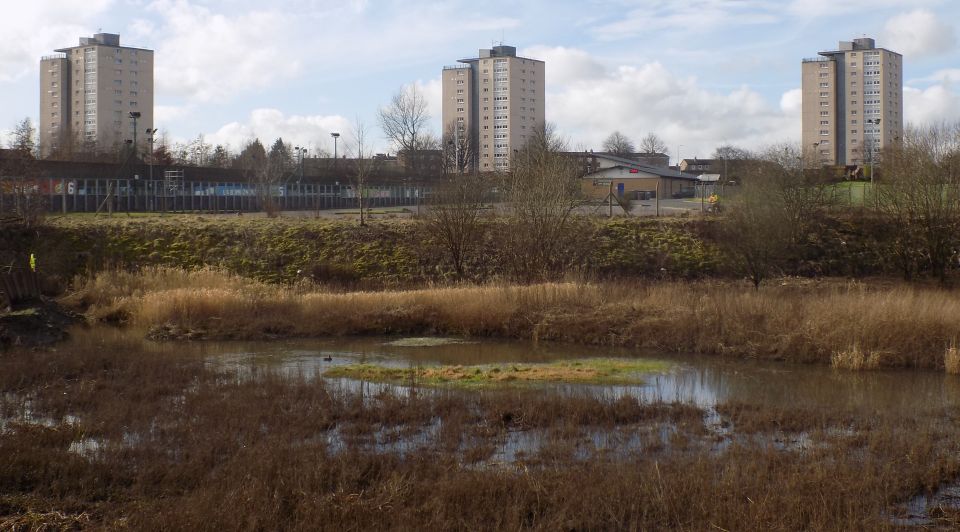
699	380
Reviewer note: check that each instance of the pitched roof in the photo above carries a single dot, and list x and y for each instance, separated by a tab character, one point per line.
660	172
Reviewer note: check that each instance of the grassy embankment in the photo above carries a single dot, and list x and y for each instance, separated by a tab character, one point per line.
115	434
849	324
399	253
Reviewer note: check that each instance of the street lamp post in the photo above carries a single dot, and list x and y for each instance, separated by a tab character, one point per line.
135	115
301	153
151	132
150	140
870	148
335	137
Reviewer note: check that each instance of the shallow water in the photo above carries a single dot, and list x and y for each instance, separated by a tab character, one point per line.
700	380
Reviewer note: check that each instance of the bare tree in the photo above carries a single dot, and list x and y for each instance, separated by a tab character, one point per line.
618	144
802	194
734	161
731	153
543	192
404	121
460	150
198	151
652	144
20	169
455	217
754	232
778	206
920	190
362	164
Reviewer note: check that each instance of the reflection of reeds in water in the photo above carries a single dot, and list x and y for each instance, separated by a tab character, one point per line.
891	327
951	360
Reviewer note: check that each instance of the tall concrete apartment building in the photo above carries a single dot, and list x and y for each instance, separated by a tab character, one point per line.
496	101
89	92
852	103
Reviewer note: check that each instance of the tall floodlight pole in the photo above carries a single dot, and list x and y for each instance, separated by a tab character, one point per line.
301	153
335	137
150	140
135	115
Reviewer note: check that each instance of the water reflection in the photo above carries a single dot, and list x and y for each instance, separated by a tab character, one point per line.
700	380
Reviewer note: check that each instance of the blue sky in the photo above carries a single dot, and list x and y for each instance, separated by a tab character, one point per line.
698	73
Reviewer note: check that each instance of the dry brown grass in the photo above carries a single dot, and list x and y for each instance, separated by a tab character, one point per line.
899	326
858	359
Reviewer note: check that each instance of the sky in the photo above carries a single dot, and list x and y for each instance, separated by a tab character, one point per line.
698	73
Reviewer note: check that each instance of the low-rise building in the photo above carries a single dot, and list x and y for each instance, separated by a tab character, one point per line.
700	166
629	179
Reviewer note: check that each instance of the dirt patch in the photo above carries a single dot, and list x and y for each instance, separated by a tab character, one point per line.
35	324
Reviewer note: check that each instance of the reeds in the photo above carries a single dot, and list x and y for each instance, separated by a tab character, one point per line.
889	326
857	359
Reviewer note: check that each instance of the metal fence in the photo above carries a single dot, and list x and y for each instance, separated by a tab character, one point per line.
165	195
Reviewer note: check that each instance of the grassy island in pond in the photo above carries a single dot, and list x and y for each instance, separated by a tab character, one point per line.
587	371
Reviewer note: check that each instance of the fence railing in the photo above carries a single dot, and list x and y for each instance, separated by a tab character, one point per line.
164	195
19	285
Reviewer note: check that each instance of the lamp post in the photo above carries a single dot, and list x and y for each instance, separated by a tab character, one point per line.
335	137
870	147
151	132
150	140
301	153
135	115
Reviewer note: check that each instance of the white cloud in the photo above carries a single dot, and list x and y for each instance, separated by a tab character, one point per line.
566	65
432	91
947	75
938	103
649	16
820	8
270	124
488	24
33	29
791	103
649	98
918	33
169	114
203	56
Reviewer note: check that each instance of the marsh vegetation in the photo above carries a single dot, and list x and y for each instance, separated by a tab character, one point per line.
891	325
111	432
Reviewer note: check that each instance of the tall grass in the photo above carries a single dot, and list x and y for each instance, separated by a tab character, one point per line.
904	326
